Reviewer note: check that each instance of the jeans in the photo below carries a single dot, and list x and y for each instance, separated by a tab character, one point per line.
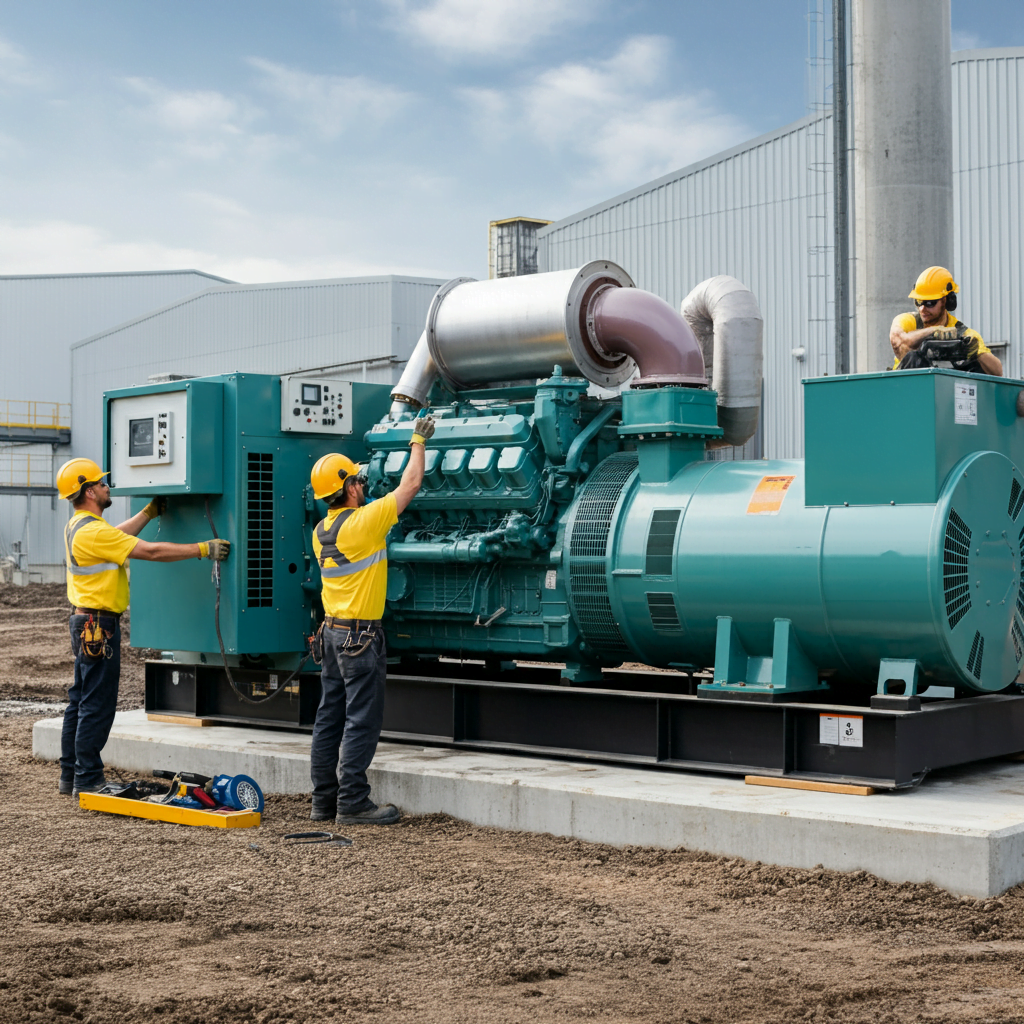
92	701
350	717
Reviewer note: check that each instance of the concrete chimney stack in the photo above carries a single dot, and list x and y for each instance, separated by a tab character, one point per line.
902	160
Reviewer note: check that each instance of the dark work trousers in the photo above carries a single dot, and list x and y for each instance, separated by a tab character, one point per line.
349	717
92	701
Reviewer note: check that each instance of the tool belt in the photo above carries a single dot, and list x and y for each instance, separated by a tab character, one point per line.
94	639
355	625
361	634
97	611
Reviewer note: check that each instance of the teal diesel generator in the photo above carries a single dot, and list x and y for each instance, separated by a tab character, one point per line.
579	576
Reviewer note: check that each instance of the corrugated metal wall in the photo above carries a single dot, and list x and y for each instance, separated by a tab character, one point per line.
988	152
763	213
759	212
40	318
362	327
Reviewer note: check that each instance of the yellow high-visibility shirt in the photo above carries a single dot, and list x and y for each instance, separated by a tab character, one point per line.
908	322
95	553
353	558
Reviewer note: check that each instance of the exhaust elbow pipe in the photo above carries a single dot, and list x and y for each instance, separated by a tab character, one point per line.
646	328
728	325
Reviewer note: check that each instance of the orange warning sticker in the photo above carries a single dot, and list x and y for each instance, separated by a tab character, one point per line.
767	498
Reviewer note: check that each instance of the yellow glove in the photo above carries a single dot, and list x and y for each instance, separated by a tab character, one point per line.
944	334
157	507
422	430
216	549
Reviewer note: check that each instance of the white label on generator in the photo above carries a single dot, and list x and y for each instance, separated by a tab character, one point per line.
550	579
851	731
965	403
828	730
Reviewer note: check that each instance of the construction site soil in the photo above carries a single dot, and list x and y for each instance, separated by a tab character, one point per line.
108	919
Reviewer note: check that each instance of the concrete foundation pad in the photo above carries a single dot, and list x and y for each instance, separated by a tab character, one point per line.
962	829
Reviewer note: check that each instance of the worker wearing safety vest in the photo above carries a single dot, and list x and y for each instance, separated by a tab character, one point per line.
935	297
95	554
351	548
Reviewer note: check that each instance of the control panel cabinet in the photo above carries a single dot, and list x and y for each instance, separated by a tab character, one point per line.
216	448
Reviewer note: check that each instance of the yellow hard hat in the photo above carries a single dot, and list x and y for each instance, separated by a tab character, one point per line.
330	473
76	474
933	283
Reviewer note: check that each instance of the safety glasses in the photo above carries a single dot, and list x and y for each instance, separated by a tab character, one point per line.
927	303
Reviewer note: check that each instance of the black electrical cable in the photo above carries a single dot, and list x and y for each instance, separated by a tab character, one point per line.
223	654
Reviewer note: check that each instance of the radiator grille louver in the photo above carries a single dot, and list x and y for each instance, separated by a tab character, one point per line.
977	653
260	530
661	542
588	549
955	583
664	616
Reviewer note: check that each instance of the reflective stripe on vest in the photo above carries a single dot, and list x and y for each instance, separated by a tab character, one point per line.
71	563
334	571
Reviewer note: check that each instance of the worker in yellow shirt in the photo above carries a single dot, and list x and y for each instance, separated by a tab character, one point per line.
95	554
351	548
935	297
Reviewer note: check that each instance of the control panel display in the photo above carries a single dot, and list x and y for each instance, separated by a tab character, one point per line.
316	406
147	441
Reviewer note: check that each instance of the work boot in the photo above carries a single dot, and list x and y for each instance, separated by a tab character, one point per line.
65	787
371	815
322	813
96	787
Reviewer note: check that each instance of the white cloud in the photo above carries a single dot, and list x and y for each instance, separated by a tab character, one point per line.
331	104
204	123
966	41
64	247
15	67
488	28
618	115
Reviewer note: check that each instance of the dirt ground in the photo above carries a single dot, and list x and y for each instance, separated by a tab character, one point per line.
435	921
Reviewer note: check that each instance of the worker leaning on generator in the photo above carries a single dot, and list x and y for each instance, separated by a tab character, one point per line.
351	548
935	297
95	554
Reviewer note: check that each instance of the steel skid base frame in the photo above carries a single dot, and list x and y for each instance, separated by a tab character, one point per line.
463	706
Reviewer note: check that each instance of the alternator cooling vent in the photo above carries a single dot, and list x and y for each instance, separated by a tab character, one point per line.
664	616
955	584
588	533
1020	586
259	550
977	653
661	542
1016	500
1018	641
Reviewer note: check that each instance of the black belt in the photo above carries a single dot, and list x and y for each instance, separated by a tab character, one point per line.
355	625
97	612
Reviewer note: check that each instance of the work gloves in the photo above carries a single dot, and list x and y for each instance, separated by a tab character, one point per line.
422	429
156	507
215	549
944	334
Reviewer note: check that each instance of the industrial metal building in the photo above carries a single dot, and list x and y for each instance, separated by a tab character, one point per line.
358	328
762	212
40	317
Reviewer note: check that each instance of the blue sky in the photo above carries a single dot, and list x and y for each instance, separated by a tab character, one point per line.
269	141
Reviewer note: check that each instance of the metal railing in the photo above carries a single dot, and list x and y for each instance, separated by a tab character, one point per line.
18	412
26	469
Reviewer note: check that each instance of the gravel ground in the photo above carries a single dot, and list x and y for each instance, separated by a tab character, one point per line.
435	921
